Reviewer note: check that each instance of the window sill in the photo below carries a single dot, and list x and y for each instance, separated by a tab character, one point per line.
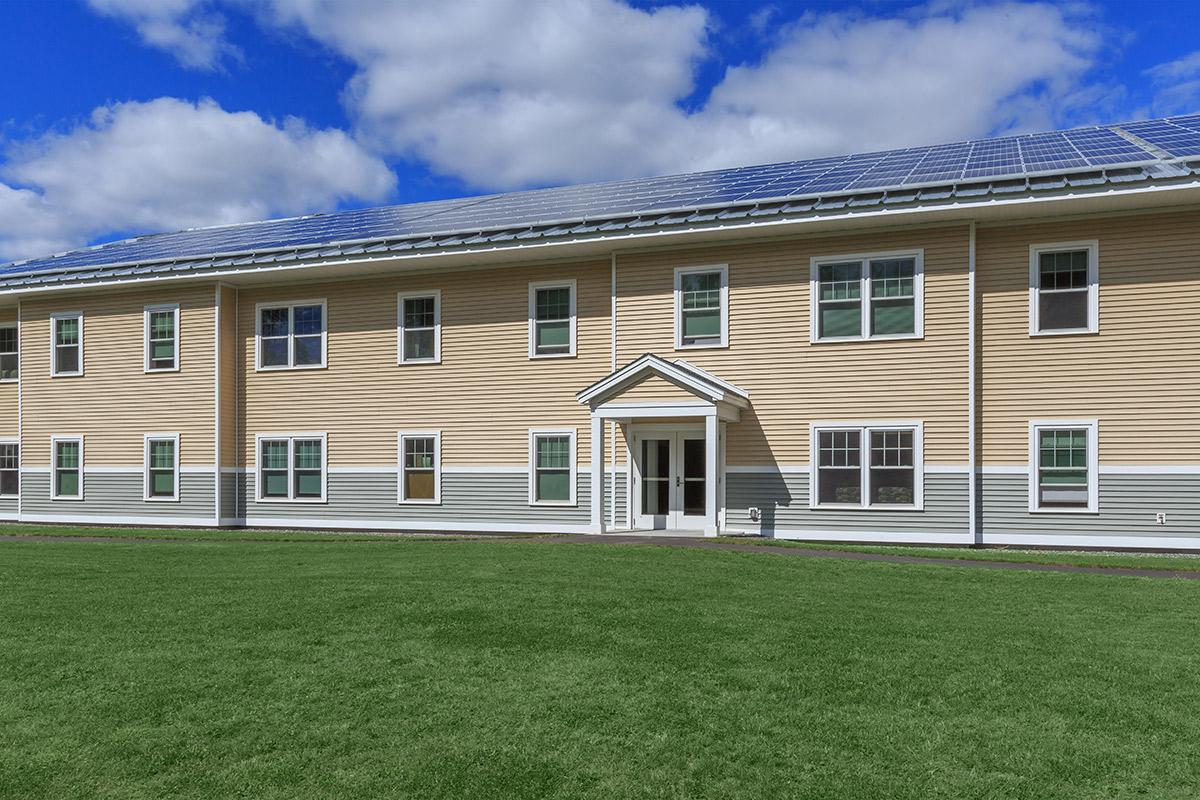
1064	511
9	380
875	508
69	499
292	501
721	346
66	374
904	337
290	369
540	356
554	504
153	371
418	362
1065	332
437	502
160	499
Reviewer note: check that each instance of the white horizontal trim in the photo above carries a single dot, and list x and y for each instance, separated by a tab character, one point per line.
380	470
936	469
881	537
1005	469
1150	469
117	519
1091	540
437	526
947	469
112	469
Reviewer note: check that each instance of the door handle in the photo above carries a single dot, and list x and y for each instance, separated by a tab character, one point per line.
678	481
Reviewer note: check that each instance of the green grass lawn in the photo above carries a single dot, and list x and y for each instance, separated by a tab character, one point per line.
457	669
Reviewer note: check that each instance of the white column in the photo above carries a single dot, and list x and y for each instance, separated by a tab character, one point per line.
712	451
597	474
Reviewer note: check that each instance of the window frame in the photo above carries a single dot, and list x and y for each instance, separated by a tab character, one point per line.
147	311
291	306
291	439
573	478
13	441
864	299
402	499
534	286
1092	246
148	439
436	294
54	443
16	328
1092	426
865	429
680	272
54	317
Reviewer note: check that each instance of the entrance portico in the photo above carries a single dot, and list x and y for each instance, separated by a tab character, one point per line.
673	416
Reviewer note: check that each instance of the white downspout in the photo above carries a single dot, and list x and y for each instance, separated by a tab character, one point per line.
612	426
972	454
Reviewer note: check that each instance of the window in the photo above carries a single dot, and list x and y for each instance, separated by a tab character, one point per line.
701	307
67	467
10	469
1064	288
162	338
552	319
420	328
420	467
162	466
291	336
552	467
1063	465
10	359
66	344
871	465
868	297
292	468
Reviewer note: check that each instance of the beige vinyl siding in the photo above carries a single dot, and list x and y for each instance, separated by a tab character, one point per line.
485	394
654	389
1140	375
230	369
115	403
8	391
792	382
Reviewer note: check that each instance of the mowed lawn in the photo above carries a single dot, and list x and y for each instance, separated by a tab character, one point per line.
457	669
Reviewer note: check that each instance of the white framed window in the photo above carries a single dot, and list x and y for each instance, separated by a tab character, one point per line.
66	344
552	319
1064	288
1064	457
873	296
552	467
290	335
867	465
161	467
291	467
161	324
419	327
66	468
10	468
701	307
10	354
420	467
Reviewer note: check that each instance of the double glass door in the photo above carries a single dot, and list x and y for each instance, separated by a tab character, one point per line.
670	476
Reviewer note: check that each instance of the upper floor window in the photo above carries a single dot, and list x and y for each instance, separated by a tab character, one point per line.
162	338
291	467
868	297
701	307
291	336
162	466
1064	282
874	465
552	319
66	344
10	469
420	467
1063	465
552	467
67	467
9	354
420	328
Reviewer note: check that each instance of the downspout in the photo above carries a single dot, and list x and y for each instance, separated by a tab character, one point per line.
612	425
972	449
21	420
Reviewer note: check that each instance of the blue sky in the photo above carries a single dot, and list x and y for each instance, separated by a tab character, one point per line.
128	116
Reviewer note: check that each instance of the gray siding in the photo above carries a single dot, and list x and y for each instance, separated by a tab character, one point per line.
783	501
117	494
8	508
230	508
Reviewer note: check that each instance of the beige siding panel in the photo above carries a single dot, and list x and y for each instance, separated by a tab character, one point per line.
793	382
1140	375
115	403
653	389
485	394
230	369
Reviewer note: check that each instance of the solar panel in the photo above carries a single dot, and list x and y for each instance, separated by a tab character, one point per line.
1179	137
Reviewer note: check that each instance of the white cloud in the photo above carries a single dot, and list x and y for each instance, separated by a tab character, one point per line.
168	164
188	30
1177	85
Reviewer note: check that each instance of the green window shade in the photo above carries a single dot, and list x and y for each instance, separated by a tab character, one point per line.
840	320
553	336
162	483
700	298
554	485
162	325
162	351
308	483
840	281
67	481
892	317
275	484
702	324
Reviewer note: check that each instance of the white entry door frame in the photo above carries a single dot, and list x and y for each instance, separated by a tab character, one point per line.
671	472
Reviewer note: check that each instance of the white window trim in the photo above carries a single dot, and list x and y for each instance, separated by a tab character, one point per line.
436	294
437	466
723	269
1093	287
54	442
17	328
291	439
159	437
291	306
54	373
864	429
534	435
15	441
1093	464
533	290
146	312
864	259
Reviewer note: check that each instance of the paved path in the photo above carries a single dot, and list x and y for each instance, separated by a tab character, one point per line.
677	541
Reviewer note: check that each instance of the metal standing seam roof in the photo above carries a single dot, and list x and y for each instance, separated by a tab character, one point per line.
1031	164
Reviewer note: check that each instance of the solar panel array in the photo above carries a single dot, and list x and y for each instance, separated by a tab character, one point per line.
1012	157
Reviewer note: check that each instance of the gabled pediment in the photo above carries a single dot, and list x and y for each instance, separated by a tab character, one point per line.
654	379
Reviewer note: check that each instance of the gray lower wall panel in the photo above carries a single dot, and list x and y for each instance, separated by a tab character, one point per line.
230	508
118	494
8	508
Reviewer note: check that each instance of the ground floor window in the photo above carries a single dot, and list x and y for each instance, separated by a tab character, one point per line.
162	467
552	467
420	467
1063	465
10	469
292	467
67	464
876	465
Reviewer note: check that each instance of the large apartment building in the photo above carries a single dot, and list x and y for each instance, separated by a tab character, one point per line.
987	342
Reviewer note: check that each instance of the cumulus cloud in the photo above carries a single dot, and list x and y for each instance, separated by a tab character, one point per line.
187	29
1177	85
168	164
